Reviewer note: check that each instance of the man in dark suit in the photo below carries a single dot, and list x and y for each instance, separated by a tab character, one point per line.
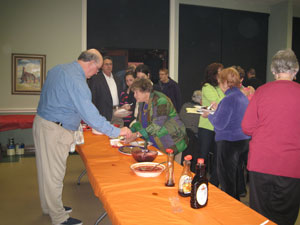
106	90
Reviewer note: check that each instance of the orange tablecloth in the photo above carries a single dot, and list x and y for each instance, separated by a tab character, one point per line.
12	122
132	200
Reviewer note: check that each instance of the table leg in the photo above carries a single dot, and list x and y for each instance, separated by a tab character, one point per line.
80	176
101	218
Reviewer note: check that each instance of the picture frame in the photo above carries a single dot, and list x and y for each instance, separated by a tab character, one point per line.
28	73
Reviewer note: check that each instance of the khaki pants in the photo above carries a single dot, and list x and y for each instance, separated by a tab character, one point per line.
52	144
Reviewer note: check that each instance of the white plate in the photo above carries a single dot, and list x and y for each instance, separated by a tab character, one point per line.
122	113
134	168
201	111
139	143
115	143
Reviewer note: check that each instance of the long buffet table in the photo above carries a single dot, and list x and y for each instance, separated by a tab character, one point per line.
131	200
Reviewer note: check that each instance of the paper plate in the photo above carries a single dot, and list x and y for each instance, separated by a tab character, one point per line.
126	150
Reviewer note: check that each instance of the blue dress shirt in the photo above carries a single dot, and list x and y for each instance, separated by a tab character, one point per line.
66	98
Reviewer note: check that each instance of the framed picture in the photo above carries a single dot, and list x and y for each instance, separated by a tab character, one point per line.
28	73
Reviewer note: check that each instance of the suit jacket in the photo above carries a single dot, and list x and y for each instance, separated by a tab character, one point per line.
101	96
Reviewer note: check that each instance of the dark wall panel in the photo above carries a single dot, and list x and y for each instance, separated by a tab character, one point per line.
199	45
230	37
245	40
128	24
296	41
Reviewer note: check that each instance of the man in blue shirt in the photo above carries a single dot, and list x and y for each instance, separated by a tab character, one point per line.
65	101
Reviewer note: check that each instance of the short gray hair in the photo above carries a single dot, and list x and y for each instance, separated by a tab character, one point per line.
88	56
285	61
197	96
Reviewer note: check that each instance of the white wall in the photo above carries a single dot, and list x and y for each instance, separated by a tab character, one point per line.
53	28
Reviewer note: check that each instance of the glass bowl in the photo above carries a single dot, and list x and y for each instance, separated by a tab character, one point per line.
143	155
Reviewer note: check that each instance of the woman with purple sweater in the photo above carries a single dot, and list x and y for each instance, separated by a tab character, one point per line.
230	139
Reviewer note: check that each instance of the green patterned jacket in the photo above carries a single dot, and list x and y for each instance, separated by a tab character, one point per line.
164	124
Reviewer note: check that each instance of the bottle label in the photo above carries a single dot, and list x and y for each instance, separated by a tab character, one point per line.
202	194
185	184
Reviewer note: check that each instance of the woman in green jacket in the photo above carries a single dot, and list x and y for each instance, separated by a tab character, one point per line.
210	93
157	119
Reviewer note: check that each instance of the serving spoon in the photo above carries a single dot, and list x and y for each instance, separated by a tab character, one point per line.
144	169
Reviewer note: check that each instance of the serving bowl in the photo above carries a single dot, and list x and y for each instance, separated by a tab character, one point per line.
143	155
145	169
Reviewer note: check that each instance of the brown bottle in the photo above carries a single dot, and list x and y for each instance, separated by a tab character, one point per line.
199	193
185	181
170	168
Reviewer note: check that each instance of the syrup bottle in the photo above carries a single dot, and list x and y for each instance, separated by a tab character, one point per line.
185	181
199	193
170	168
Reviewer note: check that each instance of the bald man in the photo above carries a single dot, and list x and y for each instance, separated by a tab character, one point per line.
65	101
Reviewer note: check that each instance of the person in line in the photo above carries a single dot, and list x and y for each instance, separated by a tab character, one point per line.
106	90
127	98
158	120
252	80
191	121
232	143
211	92
65	100
170	88
143	71
121	75
248	91
272	119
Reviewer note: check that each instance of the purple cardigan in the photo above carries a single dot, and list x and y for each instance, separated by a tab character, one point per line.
229	115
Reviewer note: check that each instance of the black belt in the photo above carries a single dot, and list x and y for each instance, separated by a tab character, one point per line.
58	123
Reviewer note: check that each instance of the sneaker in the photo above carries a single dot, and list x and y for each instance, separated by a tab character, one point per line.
68	209
72	221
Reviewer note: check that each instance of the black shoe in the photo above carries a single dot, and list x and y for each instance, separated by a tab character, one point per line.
68	209
72	221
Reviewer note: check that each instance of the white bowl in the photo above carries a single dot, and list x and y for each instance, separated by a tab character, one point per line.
144	173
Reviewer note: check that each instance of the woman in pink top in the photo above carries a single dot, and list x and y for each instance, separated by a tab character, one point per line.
273	120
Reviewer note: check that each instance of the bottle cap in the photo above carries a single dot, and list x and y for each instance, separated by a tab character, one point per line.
188	157
168	150
200	161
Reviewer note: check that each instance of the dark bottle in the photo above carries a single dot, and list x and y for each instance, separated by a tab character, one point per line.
199	193
185	181
170	168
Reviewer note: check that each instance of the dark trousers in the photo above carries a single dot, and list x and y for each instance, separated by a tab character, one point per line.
207	144
229	164
275	197
191	149
242	180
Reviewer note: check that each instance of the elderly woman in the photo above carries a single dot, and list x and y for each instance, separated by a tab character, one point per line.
230	139
157	119
273	120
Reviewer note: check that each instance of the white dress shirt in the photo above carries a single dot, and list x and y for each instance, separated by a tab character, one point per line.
113	89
